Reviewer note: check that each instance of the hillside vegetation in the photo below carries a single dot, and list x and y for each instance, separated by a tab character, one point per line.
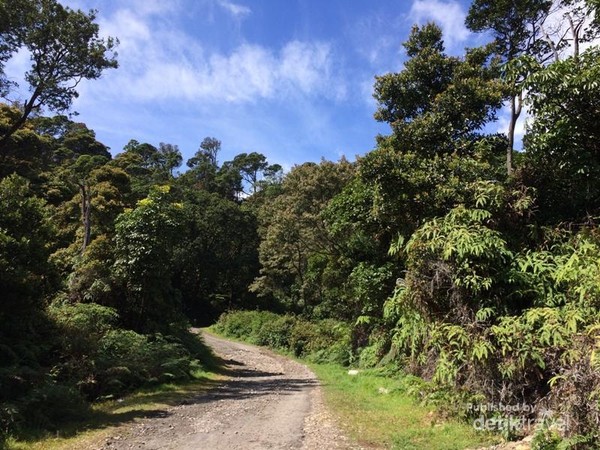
448	252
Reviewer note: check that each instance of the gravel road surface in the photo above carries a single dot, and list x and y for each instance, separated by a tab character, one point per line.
268	402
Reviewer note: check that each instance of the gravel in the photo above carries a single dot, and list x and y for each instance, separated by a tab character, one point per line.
267	402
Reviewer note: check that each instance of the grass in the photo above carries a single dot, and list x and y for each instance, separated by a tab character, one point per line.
387	420
376	411
105	417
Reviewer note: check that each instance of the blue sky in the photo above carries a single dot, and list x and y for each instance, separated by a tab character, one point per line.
288	78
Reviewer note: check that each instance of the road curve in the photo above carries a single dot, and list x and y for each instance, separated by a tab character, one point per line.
267	402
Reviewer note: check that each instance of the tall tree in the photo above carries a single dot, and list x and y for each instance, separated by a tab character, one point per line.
169	158
515	26
24	266
253	167
208	152
145	238
523	29
437	100
204	165
217	255
65	48
79	174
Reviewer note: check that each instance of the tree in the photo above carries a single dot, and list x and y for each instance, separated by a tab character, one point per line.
437	103
295	242
253	167
216	257
145	239
437	107
147	152
562	157
520	29
65	48
209	150
91	279
169	158
203	164
25	272
28	152
11	26
250	165
69	139
515	29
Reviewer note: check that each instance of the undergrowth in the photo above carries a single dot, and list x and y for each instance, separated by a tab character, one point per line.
94	359
323	341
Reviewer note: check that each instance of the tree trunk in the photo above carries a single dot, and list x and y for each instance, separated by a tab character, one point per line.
86	209
27	109
516	104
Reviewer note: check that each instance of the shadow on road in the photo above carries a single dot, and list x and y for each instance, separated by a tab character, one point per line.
241	382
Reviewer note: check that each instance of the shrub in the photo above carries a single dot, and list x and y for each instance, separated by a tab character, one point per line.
101	359
322	341
127	360
52	404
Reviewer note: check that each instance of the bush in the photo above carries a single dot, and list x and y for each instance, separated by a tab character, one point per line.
52	404
323	341
276	333
101	359
127	360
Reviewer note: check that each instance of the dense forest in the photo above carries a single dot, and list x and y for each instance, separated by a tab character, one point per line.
462	256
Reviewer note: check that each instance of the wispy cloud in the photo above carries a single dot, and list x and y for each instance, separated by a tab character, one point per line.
184	76
449	15
158	61
235	9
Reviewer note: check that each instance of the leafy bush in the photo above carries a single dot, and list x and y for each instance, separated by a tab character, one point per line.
126	360
102	359
471	315
323	341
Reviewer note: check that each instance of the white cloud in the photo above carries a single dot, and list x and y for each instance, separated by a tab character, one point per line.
308	67
449	15
375	37
161	62
235	9
249	73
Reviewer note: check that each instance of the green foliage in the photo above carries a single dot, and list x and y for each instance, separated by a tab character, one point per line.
25	274
561	161
216	256
145	239
454	326
296	249
65	48
510	24
437	101
319	341
90	357
453	264
102	359
422	256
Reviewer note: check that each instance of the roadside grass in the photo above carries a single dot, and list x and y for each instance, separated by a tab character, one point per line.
375	409
377	412
104	418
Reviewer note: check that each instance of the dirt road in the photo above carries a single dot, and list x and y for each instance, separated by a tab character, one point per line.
269	402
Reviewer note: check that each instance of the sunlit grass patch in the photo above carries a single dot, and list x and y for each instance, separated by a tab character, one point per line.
377	412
